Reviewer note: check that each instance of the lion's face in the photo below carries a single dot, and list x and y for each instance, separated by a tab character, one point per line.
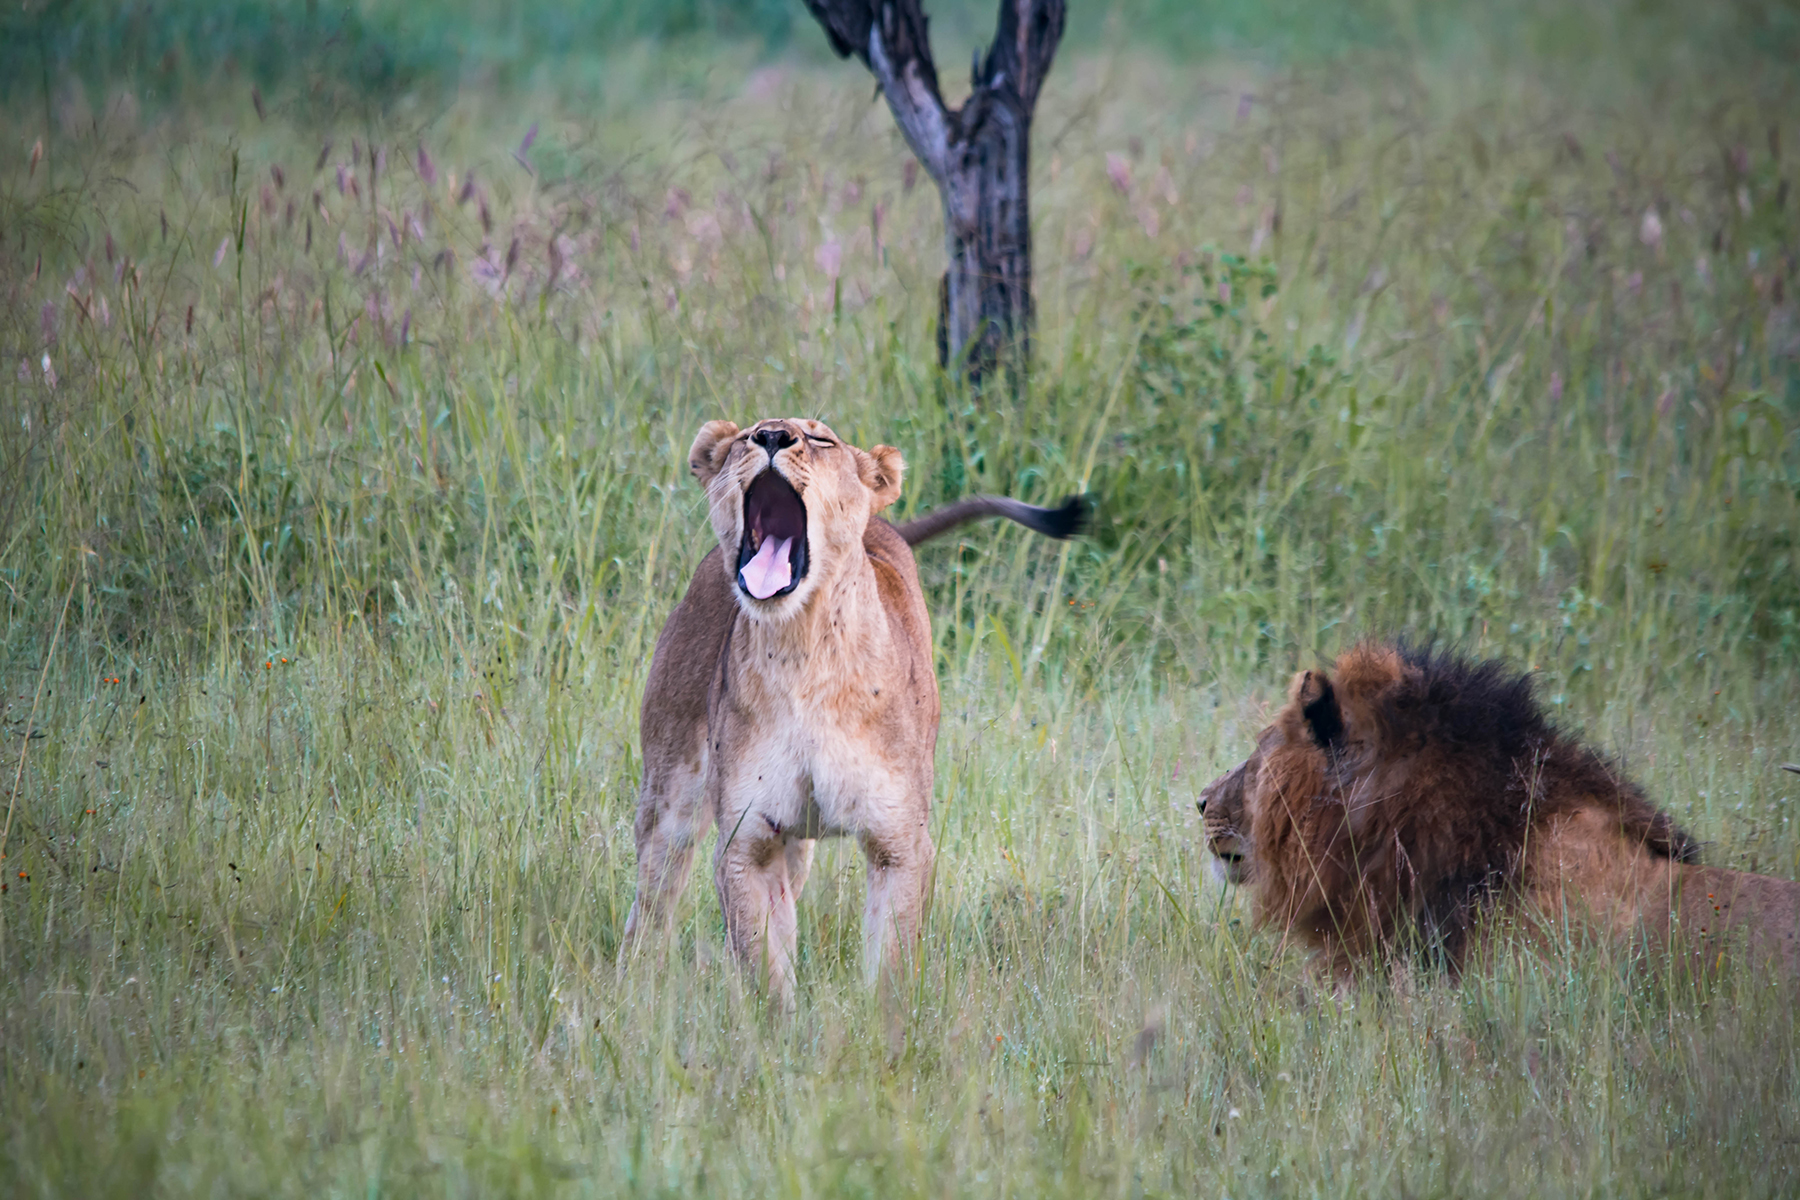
789	502
1291	747
1225	814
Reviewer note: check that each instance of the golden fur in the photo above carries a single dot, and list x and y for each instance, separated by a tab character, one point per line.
810	712
1397	799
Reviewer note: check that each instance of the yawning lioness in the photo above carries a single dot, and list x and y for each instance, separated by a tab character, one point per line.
792	694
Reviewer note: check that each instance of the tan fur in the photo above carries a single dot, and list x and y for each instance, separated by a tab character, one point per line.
1396	800
809	714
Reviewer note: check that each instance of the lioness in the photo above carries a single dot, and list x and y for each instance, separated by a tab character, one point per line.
792	694
1396	799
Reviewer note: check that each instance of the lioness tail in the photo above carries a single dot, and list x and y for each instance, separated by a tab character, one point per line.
1065	520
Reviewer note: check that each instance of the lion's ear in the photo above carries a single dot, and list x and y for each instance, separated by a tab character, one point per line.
881	469
710	446
1319	707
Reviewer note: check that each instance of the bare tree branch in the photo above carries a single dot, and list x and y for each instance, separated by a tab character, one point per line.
978	156
912	95
1024	44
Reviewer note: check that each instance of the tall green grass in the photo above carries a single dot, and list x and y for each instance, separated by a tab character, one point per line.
339	528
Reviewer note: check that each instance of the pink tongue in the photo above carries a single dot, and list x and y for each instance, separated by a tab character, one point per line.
769	571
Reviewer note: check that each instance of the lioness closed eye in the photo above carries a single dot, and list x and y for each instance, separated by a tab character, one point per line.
792	694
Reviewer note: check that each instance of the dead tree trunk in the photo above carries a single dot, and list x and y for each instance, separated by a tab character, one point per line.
979	157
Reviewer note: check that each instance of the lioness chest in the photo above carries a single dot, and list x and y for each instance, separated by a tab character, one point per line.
833	739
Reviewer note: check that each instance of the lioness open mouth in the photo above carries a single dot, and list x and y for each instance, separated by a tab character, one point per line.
772	556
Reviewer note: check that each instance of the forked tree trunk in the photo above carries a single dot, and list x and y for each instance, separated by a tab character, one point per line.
979	156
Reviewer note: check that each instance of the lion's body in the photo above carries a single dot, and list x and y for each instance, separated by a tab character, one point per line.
807	713
1580	873
1401	798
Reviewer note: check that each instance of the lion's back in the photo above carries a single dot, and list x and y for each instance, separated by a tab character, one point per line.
903	599
672	721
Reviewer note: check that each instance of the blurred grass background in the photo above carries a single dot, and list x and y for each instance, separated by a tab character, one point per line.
348	360
380	49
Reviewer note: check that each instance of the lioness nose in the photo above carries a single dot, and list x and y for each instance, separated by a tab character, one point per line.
772	439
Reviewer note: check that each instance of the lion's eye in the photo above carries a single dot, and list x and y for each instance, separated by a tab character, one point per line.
819	441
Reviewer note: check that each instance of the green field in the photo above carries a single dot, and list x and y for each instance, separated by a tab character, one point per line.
343	493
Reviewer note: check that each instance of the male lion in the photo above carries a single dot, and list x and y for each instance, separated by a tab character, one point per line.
1398	799
793	694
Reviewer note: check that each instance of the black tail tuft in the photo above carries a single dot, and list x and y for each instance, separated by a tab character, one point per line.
1065	520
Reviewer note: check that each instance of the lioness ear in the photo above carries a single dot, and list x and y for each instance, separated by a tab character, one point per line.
881	469
708	452
1319	707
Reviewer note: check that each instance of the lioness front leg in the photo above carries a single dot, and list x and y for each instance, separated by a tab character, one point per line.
899	884
757	890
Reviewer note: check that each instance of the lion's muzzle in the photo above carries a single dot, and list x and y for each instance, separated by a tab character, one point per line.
1222	813
772	556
